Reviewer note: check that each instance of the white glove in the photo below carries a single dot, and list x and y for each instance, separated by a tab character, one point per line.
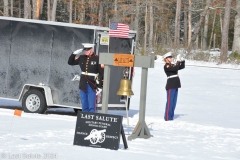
78	51
98	91
178	57
182	59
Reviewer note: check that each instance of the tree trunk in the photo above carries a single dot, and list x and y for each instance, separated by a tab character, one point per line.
5	9
177	24
115	18
236	40
91	12
36	8
189	22
205	32
185	26
49	9
201	42
100	13
75	12
70	11
41	10
136	21
197	29
54	7
197	42
11	8
150	43
155	34
213	25
221	24
146	29
19	9
214	41
27	14
224	45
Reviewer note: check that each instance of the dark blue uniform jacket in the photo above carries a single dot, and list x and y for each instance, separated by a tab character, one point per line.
89	64
173	70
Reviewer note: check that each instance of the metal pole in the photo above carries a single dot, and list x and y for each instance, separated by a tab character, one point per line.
143	95
126	106
106	83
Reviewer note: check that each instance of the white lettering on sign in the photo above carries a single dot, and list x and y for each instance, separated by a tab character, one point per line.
106	124
82	133
87	116
107	119
112	137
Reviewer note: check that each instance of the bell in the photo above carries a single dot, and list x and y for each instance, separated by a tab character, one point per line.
125	88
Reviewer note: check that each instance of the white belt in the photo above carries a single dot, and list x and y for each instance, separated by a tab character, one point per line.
90	74
172	76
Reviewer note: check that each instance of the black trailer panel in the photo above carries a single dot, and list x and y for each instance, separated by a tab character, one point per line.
5	49
34	52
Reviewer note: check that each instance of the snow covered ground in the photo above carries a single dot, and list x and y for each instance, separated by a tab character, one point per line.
206	124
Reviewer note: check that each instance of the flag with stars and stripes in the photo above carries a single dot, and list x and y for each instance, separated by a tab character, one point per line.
118	30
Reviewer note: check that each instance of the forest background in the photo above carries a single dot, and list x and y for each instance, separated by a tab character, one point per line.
197	27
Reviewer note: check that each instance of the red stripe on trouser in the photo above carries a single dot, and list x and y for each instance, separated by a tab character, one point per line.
95	105
168	107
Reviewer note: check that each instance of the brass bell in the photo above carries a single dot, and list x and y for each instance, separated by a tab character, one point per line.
125	88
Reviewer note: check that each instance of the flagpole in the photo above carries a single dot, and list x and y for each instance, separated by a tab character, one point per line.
109	36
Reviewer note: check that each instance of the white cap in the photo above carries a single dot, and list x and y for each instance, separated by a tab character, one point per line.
168	54
87	45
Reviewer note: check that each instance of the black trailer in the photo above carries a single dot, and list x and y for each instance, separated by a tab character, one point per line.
33	63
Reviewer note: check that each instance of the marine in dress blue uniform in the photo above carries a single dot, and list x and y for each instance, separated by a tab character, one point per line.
91	78
173	83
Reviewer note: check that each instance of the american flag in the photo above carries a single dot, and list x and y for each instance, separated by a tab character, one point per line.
119	30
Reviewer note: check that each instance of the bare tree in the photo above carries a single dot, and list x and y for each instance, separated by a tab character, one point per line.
151	25
100	13
36	8
224	45
115	18
5	9
213	25
185	25
54	7
205	32
236	40
83	12
146	28
189	22
177	24
136	19
51	10
70	10
27	9
198	27
11	8
19	8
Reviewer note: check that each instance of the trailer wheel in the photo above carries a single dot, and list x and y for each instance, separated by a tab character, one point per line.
34	102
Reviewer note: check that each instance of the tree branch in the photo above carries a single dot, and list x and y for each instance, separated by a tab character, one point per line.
211	8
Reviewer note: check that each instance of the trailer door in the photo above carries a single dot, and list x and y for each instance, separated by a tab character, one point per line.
115	45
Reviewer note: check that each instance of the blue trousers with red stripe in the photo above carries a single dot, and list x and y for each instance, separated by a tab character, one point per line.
88	99
172	95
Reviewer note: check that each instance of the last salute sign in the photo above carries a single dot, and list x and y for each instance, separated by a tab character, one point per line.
98	130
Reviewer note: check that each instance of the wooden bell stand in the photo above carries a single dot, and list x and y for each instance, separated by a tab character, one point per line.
141	130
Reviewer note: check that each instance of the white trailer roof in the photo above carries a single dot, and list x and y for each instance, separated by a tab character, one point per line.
59	23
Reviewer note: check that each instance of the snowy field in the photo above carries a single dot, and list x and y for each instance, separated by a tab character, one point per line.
206	124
